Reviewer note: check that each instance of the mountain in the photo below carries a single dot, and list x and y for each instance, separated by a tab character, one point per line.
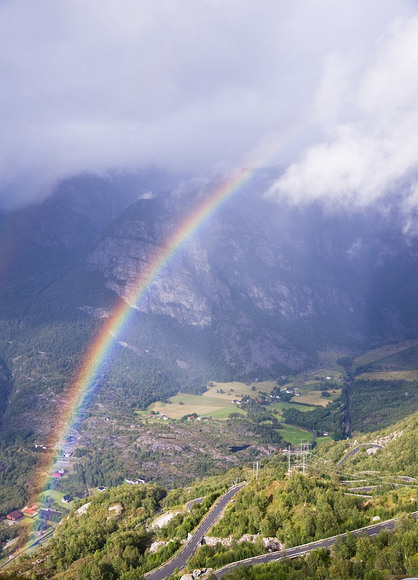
272	282
255	292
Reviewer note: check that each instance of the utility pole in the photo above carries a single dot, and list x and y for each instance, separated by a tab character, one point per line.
255	470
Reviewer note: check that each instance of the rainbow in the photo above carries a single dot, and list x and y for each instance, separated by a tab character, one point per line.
82	385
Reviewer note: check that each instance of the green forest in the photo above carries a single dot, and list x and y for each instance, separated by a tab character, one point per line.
375	404
385	557
108	535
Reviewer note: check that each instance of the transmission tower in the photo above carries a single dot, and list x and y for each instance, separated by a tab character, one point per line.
298	459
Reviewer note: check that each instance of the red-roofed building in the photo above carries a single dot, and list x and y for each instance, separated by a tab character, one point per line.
31	510
15	516
57	474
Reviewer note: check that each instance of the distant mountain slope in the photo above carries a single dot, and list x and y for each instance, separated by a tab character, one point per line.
254	293
272	282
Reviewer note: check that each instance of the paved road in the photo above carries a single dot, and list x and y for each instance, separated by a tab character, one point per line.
354	451
190	503
189	549
365	488
372	530
38	541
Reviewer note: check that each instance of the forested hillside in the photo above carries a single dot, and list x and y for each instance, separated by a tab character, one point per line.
109	534
383	558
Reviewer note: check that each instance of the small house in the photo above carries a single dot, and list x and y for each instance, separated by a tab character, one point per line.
31	510
15	516
67	498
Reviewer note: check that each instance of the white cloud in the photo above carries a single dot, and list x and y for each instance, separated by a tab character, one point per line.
367	106
93	84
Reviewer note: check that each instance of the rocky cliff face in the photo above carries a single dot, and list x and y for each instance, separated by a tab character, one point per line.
185	289
271	282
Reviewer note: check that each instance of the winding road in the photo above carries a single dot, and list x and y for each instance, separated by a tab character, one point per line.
297	551
356	449
180	560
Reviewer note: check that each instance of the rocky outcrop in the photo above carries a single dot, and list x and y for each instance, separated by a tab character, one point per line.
271	544
203	573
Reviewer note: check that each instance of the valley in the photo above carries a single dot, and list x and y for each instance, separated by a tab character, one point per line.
209	290
292	508
246	345
190	437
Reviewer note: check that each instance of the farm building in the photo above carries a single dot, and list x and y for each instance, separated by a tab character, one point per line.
15	516
31	510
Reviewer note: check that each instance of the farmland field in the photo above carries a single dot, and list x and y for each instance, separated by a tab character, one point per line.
295	435
390	375
385	351
216	402
184	404
316	399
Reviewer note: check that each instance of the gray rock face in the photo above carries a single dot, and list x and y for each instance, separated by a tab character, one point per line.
258	274
183	288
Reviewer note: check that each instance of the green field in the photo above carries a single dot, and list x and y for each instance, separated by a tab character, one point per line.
295	435
216	402
384	352
55	495
224	413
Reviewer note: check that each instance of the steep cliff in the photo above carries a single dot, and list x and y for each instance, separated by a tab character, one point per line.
185	289
271	282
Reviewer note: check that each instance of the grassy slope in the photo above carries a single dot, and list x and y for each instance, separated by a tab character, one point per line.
385	351
398	456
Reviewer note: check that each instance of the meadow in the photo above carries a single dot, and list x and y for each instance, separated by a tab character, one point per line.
217	403
295	435
383	352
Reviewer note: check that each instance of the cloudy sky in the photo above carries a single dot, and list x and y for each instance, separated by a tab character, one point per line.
329	88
